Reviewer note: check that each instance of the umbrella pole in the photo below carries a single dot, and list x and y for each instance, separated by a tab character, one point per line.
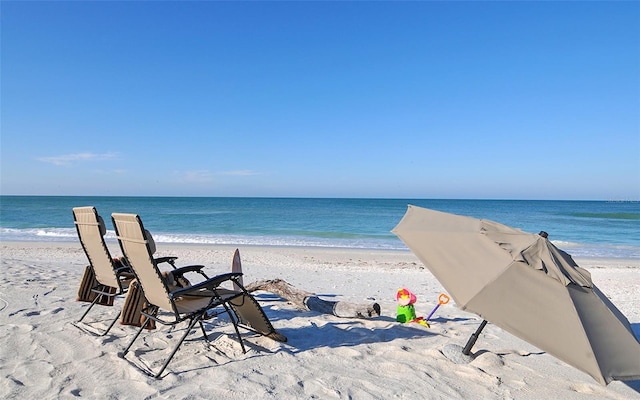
472	340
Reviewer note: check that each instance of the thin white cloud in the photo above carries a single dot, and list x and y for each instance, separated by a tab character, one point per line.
198	176
208	176
240	173
68	159
111	171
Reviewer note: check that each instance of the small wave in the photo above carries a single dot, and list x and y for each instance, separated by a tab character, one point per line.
623	216
182	213
57	232
35	234
295	241
343	242
564	244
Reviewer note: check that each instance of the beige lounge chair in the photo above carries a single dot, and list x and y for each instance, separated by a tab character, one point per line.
112	278
194	303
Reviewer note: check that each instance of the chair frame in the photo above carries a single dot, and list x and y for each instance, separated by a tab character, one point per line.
210	288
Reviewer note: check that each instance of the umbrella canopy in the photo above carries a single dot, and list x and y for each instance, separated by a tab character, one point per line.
522	283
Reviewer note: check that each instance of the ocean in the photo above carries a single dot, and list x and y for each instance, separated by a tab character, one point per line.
587	229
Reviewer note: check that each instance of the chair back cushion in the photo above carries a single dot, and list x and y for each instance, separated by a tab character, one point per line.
137	250
91	230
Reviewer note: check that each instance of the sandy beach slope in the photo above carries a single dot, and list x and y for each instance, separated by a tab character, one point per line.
43	355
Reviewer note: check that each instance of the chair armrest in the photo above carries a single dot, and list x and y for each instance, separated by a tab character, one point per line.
187	268
178	272
120	265
210	284
126	275
170	260
123	270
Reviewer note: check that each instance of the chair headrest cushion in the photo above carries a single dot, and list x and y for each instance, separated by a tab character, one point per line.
149	239
102	226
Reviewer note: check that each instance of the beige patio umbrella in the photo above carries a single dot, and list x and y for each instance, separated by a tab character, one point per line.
522	283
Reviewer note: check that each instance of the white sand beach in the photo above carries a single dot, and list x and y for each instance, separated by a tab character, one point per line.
44	356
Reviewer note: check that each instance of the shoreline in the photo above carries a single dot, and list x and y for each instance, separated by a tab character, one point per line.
407	255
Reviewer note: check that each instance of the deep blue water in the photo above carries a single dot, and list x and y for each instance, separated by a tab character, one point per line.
582	228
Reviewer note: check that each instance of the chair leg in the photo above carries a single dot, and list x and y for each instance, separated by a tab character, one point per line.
112	323
93	303
175	349
126	350
235	326
206	337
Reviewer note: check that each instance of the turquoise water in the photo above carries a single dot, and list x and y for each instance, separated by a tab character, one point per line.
582	228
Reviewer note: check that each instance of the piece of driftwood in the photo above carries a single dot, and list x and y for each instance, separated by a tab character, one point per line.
309	301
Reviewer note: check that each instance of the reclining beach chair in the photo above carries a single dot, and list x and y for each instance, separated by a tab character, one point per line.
111	278
194	303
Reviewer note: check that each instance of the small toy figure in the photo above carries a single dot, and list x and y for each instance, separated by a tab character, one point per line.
406	310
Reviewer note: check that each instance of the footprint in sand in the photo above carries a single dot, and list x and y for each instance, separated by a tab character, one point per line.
18	329
587	388
17	312
488	361
474	374
318	388
54	311
3	304
31	373
227	347
16	381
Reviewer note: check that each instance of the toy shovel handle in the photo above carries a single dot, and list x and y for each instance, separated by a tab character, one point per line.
442	299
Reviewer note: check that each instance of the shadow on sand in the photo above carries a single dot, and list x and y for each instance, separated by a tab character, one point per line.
635	385
346	332
338	332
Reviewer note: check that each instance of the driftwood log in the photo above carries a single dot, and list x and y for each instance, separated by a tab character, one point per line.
311	302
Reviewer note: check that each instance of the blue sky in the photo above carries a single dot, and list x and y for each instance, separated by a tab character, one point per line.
497	100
